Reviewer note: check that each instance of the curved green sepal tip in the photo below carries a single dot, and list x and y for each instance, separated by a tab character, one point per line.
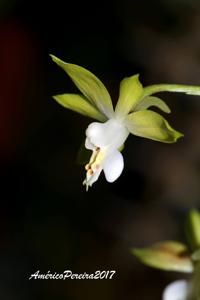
151	125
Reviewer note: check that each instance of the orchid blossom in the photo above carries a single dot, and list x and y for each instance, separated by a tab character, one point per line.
177	257
130	116
169	256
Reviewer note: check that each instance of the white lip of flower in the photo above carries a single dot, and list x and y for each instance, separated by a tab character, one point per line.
104	139
177	290
131	115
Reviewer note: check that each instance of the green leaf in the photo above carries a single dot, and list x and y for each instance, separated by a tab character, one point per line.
152	101
193	229
148	124
169	256
177	88
91	87
78	103
130	93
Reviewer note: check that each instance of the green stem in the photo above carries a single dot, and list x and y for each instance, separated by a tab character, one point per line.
193	229
195	285
178	88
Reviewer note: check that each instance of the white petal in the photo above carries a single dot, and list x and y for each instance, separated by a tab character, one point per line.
111	133
113	166
88	144
94	132
178	290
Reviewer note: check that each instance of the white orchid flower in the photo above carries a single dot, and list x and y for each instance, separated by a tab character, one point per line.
177	290
131	116
104	139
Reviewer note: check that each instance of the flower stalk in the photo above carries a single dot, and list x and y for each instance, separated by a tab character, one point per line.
177	88
194	290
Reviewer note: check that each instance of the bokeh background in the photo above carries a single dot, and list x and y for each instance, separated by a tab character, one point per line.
47	220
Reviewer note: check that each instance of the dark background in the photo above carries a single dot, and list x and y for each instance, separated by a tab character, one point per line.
47	220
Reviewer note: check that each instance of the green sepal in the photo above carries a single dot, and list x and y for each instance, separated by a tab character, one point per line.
168	256
130	93
151	125
91	87
193	229
149	101
79	103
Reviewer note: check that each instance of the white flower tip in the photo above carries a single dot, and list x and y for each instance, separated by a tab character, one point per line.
113	166
177	290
